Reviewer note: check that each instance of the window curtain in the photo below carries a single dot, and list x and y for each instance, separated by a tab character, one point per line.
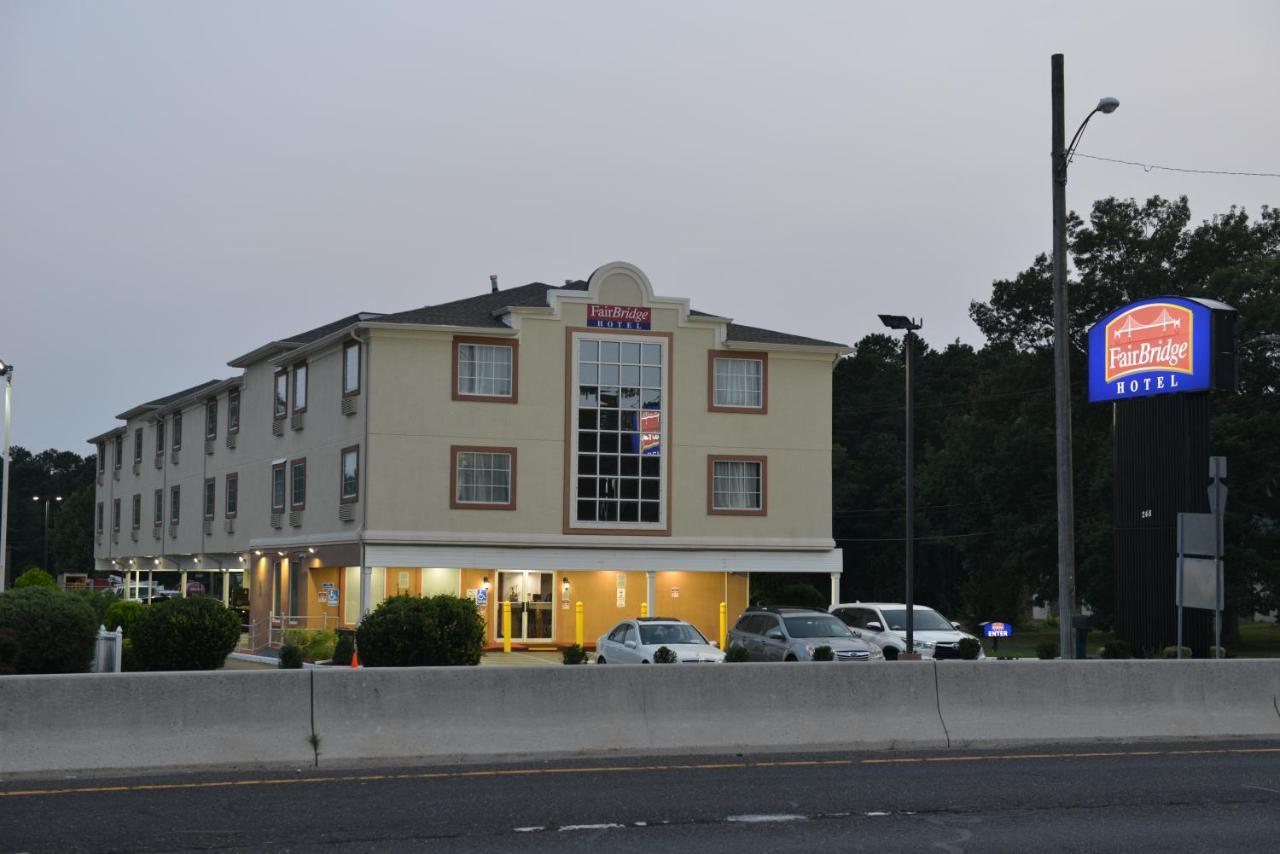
736	485
738	382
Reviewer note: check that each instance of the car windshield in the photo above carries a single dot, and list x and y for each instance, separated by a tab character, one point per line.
927	620
816	627
670	633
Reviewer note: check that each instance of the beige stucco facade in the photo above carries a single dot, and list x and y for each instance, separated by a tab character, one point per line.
405	531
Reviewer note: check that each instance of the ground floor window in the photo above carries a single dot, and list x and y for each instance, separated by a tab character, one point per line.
351	595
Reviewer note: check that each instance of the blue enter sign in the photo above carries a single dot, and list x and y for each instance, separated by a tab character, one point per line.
997	630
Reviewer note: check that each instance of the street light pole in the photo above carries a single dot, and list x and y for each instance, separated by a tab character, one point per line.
47	499
894	321
1062	353
6	370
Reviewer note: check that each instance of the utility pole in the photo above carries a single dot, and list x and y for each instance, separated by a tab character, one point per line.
908	342
1062	371
6	371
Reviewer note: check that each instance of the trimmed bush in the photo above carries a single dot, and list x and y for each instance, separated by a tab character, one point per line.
8	652
1047	650
1116	649
184	634
824	653
290	657
316	644
1172	652
54	631
35	577
121	614
407	631
802	596
1213	652
343	649
735	654
574	655
969	648
663	655
99	601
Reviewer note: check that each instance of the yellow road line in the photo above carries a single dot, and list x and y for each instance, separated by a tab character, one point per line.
624	769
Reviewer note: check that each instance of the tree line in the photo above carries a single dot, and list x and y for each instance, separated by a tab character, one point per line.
986	520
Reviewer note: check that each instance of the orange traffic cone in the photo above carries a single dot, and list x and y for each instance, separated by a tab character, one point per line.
355	658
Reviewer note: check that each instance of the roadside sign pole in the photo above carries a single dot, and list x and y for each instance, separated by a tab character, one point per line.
1218	504
1178	598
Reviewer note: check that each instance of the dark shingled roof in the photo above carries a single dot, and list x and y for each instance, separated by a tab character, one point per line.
481	311
170	398
330	328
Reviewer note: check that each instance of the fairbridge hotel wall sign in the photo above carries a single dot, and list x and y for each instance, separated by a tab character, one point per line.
1156	346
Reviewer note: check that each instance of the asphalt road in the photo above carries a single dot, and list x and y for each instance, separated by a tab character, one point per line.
1184	797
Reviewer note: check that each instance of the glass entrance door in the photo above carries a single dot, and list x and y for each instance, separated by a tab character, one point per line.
532	598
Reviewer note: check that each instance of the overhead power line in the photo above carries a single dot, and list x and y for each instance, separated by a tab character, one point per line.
1151	166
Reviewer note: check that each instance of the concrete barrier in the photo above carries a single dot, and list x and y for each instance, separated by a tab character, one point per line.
992	703
133	721
496	712
87	722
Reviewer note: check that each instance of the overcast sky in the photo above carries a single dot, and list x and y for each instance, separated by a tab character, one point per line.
181	182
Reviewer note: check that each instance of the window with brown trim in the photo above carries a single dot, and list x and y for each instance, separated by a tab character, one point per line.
278	487
486	369
210	497
233	411
115	514
737	381
737	485
99	517
157	509
175	503
232	498
118	446
136	519
351	356
102	457
137	445
160	437
280	406
298	484
300	387
177	431
211	418
349	475
482	478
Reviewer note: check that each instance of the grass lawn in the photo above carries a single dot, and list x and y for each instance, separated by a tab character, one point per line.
1257	640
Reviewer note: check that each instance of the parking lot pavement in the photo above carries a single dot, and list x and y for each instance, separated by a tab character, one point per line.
521	658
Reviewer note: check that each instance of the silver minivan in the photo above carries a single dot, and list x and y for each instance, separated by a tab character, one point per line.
793	634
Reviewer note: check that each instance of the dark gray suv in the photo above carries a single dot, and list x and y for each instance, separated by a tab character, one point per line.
792	634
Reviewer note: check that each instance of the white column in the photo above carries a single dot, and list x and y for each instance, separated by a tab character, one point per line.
650	584
366	588
835	588
226	584
182	576
151	576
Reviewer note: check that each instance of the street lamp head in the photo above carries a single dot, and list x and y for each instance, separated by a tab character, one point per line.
1108	105
897	321
5	368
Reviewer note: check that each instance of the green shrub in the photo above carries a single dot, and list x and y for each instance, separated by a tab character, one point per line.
99	601
407	631
824	653
1172	652
1047	650
128	661
290	657
121	614
802	596
184	634
316	644
35	577
664	655
54	631
343	649
1116	649
8	652
969	648
736	653
1213	652
574	655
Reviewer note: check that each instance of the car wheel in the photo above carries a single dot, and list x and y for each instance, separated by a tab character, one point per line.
791	658
890	653
600	660
645	662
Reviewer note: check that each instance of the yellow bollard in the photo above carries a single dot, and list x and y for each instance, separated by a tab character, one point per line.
724	623
506	626
577	624
644	609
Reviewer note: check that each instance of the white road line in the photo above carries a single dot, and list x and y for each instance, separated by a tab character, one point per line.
767	817
1261	788
608	826
527	829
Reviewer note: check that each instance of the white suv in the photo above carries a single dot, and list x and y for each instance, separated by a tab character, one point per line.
885	625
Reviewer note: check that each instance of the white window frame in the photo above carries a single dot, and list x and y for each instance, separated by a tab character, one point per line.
459	453
717	402
664	476
759	507
480	377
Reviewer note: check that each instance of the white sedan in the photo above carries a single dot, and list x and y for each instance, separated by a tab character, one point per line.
636	641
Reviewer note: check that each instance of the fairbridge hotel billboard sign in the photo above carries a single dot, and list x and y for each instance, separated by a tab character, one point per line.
1155	346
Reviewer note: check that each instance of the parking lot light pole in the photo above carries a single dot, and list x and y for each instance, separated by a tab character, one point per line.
6	371
1062	351
897	321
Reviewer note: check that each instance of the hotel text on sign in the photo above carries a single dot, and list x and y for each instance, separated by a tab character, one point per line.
1156	346
619	316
